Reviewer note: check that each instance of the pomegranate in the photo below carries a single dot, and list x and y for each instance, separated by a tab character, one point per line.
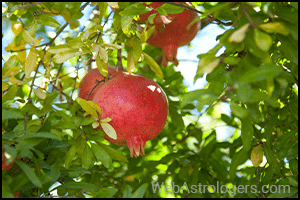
4	166
137	106
171	31
89	81
16	194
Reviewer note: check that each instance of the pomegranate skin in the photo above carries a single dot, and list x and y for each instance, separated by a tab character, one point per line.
138	108
4	166
171	31
89	81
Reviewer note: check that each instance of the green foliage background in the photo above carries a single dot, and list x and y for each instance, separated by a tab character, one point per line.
44	128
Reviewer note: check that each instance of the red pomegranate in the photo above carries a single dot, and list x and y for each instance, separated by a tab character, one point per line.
137	106
16	194
89	81
4	166
171	31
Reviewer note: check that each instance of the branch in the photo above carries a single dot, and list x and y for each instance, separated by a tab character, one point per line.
248	17
210	17
98	82
30	5
31	87
119	63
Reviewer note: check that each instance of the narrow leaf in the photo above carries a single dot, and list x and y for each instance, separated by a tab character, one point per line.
11	114
30	174
109	130
30	62
87	107
139	193
262	40
101	155
274	27
69	156
87	157
28	38
40	93
240	34
47	20
130	61
114	153
153	65
247	132
257	155
66	55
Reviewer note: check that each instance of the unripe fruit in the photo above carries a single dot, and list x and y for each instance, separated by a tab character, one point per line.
171	32
137	106
90	80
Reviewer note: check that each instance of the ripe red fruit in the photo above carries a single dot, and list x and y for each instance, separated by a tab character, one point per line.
16	194
171	31
89	81
137	106
4	166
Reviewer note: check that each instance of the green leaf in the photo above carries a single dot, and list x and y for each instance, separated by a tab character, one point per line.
30	174
11	114
203	97
80	186
274	27
130	61
262	73
238	111
244	92
237	159
272	160
101	155
262	40
284	193
127	192
47	20
30	62
47	135
69	156
88	107
136	48
109	130
257	155
87	158
240	34
247	133
11	93
139	193
59	48
114	153
146	34
126	24
107	192
28	38
207	64
153	65
134	9
172	9
66	55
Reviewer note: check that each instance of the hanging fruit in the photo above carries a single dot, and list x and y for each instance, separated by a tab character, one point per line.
171	31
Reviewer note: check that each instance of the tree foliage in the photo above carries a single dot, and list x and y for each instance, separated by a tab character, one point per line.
49	138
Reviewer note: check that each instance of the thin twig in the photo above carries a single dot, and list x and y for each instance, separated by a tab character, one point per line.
30	5
31	87
70	99
248	17
119	57
98	82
